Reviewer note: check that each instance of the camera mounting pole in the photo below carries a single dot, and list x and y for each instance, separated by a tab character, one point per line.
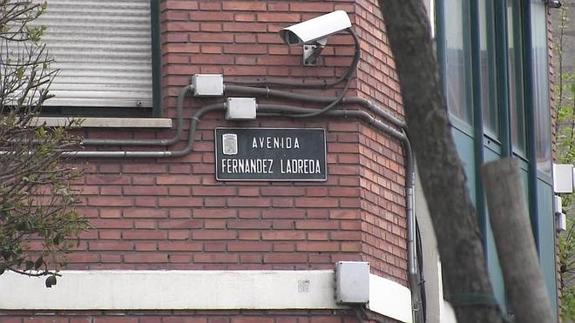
311	52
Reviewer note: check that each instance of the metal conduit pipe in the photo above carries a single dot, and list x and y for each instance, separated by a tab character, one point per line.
414	276
152	154
257	91
330	106
151	142
289	111
245	90
281	110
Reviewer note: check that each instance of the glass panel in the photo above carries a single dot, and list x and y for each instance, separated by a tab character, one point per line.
457	59
493	265
516	106
546	240
540	87
487	61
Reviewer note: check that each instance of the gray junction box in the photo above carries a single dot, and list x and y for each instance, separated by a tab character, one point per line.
352	282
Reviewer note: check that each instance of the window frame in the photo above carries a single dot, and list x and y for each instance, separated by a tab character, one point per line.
462	124
153	111
156	58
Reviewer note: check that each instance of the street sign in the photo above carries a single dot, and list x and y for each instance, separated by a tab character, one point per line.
270	154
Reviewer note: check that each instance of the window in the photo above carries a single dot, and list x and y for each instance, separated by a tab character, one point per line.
514	65
103	49
457	71
540	85
487	65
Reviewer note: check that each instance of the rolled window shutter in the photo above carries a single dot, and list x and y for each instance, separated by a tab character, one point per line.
103	51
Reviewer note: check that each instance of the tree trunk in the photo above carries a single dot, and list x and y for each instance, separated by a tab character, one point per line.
467	285
514	239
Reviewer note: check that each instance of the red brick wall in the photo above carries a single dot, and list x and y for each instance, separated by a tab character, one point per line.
382	205
377	78
173	214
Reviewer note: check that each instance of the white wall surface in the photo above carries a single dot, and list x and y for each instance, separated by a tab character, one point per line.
194	289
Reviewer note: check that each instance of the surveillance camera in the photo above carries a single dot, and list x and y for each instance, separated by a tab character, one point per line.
313	33
316	29
553	3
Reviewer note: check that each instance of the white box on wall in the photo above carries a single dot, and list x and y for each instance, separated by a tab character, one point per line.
352	282
241	108
208	84
563	178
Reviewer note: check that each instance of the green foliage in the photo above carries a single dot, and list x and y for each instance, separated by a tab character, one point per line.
565	98
39	224
568	305
567	265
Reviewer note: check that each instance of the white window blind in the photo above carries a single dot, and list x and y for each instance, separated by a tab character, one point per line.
103	51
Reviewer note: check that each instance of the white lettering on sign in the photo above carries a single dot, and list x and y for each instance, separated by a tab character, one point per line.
275	142
300	166
247	166
265	166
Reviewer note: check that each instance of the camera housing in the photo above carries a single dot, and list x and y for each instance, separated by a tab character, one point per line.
316	29
313	33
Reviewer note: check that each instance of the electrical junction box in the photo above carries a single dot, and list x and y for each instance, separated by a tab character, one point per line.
241	109
557	204
560	222
208	84
560	218
352	282
563	178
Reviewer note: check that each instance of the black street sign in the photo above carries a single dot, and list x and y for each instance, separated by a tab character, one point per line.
270	154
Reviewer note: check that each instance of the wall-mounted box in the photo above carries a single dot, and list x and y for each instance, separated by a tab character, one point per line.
352	282
563	178
241	109
208	84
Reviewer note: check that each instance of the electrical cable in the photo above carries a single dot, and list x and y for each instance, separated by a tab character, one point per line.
275	110
359	314
327	107
267	92
152	154
347	76
311	83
